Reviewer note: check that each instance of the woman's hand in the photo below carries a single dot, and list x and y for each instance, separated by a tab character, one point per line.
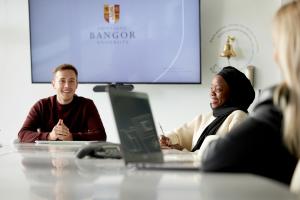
165	143
176	146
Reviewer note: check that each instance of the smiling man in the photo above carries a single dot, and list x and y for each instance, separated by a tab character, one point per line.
64	116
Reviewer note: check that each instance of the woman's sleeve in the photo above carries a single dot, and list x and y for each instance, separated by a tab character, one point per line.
183	135
233	120
238	117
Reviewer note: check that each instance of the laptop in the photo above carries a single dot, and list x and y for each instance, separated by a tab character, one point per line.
138	136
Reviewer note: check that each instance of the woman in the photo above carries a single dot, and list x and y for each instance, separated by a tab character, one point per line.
230	96
268	142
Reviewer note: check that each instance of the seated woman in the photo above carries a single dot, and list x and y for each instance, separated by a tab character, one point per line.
231	94
268	142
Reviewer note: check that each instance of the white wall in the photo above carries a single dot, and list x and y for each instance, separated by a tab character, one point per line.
247	20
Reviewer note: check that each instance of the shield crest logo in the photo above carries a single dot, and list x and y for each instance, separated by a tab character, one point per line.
111	13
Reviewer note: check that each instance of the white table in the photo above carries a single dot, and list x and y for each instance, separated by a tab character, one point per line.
33	172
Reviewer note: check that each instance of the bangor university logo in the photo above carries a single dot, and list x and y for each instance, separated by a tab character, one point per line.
111	13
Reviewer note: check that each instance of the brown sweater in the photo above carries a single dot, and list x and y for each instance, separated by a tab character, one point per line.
80	116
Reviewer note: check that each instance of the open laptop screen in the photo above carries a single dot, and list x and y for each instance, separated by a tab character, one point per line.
136	128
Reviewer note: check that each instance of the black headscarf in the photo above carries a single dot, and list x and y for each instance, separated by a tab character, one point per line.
241	95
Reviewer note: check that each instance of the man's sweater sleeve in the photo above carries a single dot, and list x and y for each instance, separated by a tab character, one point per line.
30	129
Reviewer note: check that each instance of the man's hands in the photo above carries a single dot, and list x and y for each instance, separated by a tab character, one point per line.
60	132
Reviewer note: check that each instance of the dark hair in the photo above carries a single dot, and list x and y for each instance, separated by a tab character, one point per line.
63	67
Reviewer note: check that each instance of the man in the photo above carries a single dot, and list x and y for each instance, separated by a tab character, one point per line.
64	116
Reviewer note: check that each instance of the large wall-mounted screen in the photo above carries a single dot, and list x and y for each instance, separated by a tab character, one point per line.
124	41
